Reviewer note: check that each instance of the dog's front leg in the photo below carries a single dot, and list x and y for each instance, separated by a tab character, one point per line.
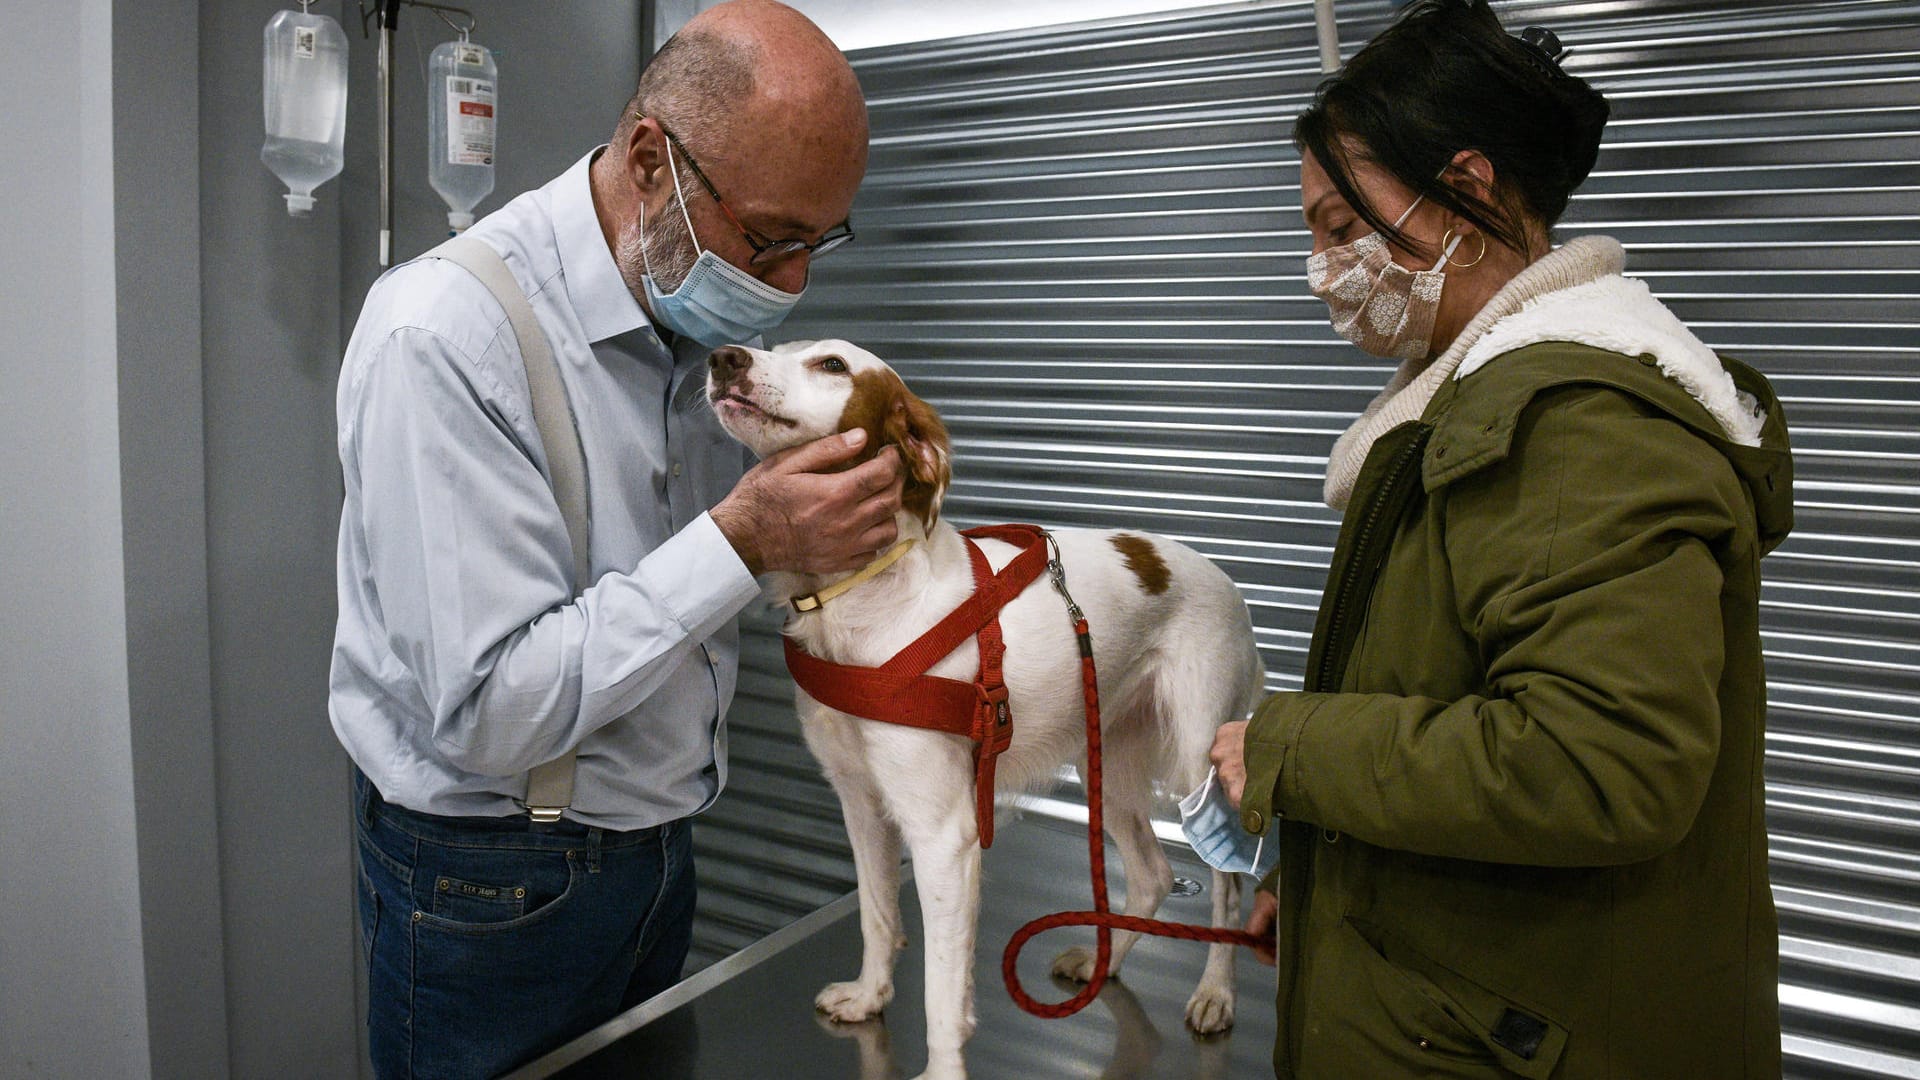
946	870
927	782
876	866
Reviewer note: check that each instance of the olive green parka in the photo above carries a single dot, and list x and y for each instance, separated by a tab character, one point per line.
1520	803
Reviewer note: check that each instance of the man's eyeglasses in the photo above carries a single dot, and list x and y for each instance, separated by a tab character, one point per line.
764	250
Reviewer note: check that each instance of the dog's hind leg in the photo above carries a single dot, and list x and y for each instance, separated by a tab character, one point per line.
1210	1009
876	865
1127	802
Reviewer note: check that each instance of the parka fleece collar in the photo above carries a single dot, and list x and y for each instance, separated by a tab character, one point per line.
1474	419
1621	314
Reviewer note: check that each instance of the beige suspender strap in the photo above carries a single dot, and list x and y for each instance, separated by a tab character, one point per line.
549	786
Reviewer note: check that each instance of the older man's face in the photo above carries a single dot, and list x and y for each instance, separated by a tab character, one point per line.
791	180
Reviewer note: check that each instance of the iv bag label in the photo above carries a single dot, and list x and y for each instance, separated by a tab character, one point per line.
472	54
304	42
469	122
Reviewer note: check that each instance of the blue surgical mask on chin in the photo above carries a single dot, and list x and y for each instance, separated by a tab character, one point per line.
1212	826
718	303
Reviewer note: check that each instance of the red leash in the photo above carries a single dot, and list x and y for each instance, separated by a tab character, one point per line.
1101	917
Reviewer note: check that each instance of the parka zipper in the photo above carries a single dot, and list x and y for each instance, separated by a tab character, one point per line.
1386	505
1363	566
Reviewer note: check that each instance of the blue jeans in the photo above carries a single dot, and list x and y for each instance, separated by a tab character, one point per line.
490	941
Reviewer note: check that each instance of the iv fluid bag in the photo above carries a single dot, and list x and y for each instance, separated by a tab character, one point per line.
462	90
305	90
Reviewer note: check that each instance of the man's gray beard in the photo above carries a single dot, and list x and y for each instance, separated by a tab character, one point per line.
668	250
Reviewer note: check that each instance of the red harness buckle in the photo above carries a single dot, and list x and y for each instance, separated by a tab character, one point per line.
992	735
992	719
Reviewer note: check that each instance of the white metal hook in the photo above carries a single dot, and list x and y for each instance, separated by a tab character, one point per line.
463	31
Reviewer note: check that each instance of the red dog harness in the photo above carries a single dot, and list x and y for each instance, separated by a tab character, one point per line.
901	692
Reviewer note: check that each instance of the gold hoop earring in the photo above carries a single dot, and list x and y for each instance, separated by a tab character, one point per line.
1448	238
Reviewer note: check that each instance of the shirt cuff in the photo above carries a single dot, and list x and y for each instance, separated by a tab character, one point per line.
701	579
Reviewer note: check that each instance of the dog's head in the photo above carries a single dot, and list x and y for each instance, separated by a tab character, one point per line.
804	390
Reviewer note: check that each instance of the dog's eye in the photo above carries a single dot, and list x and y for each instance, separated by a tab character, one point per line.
834	365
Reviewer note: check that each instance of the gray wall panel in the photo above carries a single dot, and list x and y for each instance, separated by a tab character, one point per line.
1084	246
73	934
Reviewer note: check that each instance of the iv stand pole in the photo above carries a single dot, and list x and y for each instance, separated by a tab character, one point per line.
1327	31
389	18
388	12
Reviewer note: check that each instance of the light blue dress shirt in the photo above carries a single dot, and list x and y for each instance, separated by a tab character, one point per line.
462	658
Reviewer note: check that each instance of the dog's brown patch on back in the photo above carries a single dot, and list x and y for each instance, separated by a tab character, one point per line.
1145	562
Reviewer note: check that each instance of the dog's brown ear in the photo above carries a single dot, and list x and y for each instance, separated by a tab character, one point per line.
925	453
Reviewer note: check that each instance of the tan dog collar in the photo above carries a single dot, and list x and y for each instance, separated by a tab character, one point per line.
814	601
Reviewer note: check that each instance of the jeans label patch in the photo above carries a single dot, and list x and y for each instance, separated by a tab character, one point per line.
467	901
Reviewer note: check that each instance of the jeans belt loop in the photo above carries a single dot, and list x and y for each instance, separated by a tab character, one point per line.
594	834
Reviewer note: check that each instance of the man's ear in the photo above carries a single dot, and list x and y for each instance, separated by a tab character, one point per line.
925	453
646	156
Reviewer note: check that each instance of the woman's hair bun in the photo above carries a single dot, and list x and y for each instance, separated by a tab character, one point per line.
1586	112
1547	44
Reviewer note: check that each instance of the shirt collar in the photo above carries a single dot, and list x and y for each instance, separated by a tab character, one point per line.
600	297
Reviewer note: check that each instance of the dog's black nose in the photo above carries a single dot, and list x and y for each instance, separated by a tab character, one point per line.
725	363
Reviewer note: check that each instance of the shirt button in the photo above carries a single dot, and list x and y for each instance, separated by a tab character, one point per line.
1255	822
676	468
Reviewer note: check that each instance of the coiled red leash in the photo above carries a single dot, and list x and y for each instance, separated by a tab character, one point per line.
1101	918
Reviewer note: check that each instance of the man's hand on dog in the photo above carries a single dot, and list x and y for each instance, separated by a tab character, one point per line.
790	514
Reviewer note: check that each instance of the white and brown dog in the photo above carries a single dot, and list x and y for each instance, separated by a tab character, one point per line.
1172	644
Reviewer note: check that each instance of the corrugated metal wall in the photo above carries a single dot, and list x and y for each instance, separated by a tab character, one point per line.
1084	246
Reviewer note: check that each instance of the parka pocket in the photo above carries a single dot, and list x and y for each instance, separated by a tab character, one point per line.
1367	1017
1516	1036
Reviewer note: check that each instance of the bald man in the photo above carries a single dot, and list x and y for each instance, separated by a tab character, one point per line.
464	658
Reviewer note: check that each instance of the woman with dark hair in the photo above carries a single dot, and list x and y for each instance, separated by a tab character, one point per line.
1519	802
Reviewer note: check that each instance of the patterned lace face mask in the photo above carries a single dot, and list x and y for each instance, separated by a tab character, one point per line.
1379	305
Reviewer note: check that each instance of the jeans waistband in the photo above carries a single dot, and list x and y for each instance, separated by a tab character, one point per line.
514	829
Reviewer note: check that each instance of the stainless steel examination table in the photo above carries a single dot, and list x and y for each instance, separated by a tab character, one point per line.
752	1015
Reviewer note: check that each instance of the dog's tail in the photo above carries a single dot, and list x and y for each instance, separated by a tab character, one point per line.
1195	692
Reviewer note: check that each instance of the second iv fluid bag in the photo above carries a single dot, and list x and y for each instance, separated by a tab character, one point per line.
462	90
304	86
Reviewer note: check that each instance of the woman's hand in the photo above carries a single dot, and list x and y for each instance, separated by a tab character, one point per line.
1229	756
1260	923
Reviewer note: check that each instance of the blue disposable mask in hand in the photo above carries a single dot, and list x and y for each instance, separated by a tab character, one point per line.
1212	826
717	303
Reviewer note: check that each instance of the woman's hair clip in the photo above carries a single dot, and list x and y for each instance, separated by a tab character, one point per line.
1544	45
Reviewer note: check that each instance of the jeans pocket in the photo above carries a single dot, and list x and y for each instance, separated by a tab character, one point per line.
369	914
473	902
487	890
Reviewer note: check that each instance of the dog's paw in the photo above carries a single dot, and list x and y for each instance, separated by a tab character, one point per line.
852	1002
941	1067
1210	1009
1076	964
